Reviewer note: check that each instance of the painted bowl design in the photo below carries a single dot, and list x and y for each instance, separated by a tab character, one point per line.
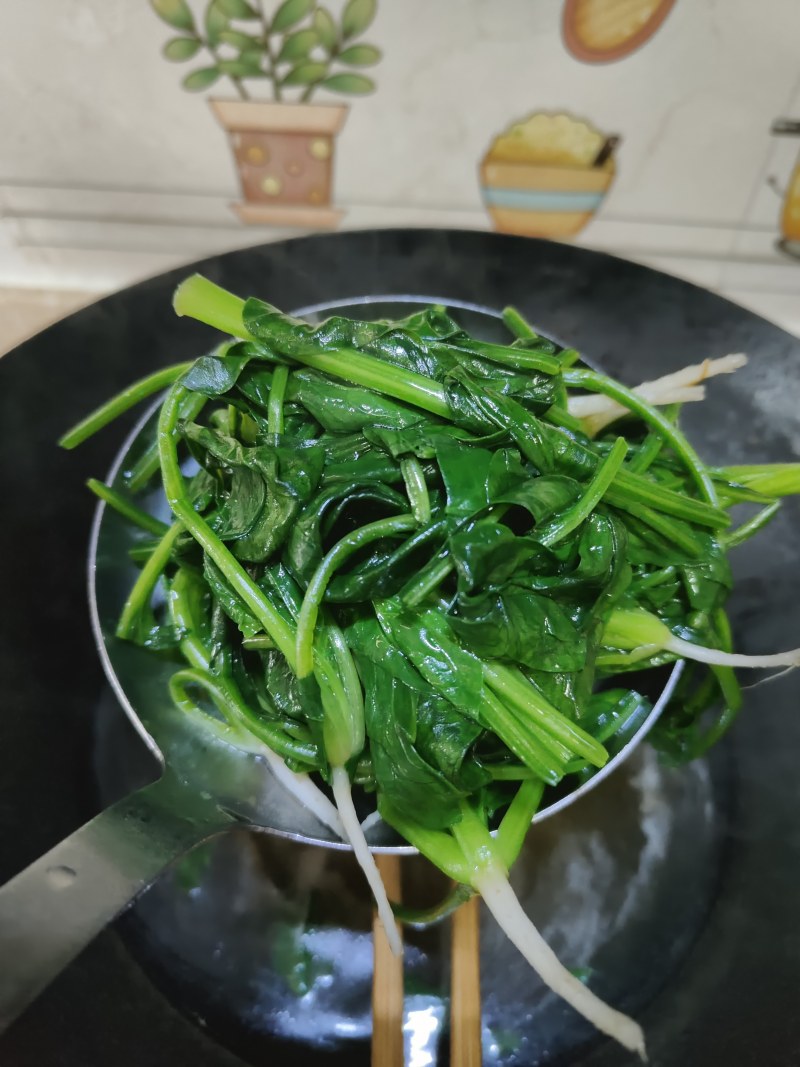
543	201
546	175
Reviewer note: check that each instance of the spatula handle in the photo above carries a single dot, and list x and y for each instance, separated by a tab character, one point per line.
53	909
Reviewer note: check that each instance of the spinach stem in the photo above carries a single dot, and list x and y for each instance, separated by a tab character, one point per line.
509	772
121	403
771	479
147	465
260	641
417	489
405	385
568	357
277	394
752	526
518	325
342	697
597	383
237	577
236	713
654	578
421	918
475	841
426	581
559	416
184	621
551	532
143	470
343	796
342	550
629	488
647	454
518	736
125	507
439	846
509	356
139	596
493	885
635	628
662	524
511	684
650	450
203	300
517	821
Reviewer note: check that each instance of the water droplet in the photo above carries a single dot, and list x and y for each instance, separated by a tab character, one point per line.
61	877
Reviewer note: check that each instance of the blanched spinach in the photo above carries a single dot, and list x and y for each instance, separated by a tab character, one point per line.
404	562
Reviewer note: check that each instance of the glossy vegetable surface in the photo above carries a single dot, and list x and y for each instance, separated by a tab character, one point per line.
408	559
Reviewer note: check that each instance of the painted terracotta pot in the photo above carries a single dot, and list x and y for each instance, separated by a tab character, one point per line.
284	154
536	200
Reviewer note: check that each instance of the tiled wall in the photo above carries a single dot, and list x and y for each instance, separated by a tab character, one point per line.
110	171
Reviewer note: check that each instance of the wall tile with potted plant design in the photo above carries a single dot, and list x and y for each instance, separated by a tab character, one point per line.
111	171
275	62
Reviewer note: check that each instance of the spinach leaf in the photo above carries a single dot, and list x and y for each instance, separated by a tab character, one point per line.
233	606
465	473
425	637
214	375
387	570
304	546
522	627
709	581
242	505
487	555
367	640
346	408
446	739
402	774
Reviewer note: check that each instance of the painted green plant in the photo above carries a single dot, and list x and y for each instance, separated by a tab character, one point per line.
300	47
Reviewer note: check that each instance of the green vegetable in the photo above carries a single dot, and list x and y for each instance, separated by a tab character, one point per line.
402	563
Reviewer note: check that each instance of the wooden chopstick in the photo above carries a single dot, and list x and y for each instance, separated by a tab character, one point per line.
387	979
465	984
465	987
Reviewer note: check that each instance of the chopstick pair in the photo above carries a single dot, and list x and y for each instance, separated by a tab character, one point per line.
387	984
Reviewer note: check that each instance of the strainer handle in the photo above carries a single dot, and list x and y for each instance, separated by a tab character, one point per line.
50	911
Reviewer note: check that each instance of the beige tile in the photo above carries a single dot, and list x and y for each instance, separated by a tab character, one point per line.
23	312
